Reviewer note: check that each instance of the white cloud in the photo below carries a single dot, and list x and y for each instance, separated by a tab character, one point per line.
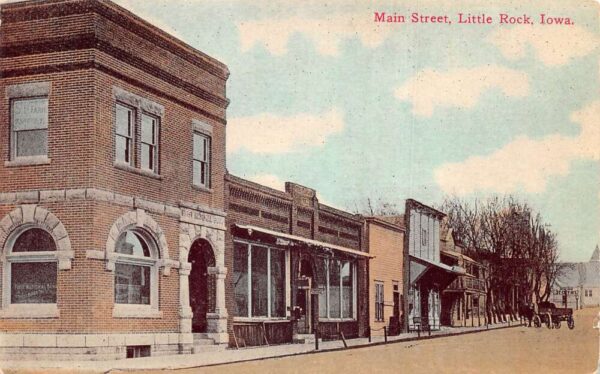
268	133
525	164
459	88
327	33
554	46
269	180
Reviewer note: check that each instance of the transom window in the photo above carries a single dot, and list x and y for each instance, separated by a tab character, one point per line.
201	160
339	298
29	127
33	268
259	275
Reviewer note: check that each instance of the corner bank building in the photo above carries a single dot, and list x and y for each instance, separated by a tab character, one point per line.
112	146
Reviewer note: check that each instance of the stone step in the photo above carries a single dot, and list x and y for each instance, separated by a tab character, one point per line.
199	341
208	348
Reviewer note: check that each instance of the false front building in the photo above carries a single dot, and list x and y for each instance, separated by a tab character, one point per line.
111	185
426	275
296	266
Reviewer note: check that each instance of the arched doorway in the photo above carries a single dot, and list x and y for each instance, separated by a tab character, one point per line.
303	296
202	287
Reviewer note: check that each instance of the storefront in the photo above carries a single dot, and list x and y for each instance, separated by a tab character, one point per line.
286	286
427	275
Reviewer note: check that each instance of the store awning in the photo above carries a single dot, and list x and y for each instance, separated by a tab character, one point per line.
419	266
312	242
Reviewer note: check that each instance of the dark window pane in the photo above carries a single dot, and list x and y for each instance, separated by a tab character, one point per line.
32	142
34	240
240	279
277	283
334	289
259	281
321	268
130	243
347	291
33	283
29	114
132	284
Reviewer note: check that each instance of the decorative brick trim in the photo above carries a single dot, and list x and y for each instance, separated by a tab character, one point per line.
94	194
137	218
202	127
36	216
28	90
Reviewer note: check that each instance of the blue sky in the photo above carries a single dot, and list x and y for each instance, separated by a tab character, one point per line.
323	96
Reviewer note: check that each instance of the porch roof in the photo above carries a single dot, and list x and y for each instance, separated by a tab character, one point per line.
312	242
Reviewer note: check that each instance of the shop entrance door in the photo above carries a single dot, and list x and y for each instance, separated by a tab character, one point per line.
303	297
200	284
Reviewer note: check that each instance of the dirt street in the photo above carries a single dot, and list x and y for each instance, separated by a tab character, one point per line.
513	350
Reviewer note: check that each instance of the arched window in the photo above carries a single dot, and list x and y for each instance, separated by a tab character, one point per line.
136	274
33	268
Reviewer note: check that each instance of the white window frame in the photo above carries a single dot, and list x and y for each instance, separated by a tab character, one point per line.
25	310
287	296
140	107
128	138
154	145
206	163
24	91
327	293
139	310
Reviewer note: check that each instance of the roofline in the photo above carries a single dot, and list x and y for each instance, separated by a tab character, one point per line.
379	221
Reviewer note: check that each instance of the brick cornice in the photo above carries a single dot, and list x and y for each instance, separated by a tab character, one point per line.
90	41
12	13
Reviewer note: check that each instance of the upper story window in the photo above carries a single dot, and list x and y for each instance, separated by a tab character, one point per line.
201	160
137	133
149	143
29	127
125	123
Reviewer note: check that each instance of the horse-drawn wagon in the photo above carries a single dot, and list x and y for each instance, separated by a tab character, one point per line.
551	316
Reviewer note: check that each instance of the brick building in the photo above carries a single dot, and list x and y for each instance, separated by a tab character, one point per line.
295	265
385	238
112	223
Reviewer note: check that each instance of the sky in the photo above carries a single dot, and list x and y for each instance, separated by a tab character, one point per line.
324	96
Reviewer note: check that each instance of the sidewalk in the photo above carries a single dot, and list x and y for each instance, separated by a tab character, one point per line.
233	355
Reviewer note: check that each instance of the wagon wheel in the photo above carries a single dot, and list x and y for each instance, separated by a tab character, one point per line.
557	324
548	321
537	322
571	322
